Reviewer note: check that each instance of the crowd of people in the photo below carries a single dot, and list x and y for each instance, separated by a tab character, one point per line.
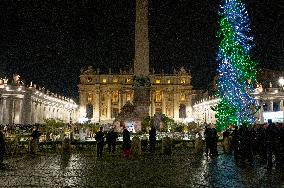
264	143
111	138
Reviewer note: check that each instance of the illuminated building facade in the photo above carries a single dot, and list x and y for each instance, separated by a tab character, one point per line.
103	95
21	104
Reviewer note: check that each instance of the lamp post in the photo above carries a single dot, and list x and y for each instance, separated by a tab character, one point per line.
281	82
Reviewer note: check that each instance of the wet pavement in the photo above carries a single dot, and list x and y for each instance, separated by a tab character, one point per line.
178	170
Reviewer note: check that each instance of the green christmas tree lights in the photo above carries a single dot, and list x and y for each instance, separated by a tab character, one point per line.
237	71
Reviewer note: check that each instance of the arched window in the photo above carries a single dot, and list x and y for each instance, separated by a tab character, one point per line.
182	111
89	111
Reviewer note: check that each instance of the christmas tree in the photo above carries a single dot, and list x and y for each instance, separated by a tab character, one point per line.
236	69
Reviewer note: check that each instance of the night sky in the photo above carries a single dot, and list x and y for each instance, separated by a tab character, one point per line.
48	42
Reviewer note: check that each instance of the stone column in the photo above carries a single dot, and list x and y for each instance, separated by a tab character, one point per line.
153	104
32	114
163	102
109	105
261	118
123	98
281	109
27	109
4	111
10	109
41	112
96	112
18	104
1	110
271	106
119	101
281	105
176	105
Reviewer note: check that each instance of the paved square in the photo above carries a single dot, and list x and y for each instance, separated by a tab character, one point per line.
179	170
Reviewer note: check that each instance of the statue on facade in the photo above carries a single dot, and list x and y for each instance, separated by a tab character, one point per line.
89	70
182	71
16	79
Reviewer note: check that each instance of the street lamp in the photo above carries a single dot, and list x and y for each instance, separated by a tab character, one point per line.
281	82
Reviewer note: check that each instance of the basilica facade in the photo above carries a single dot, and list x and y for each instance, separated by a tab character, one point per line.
22	104
102	96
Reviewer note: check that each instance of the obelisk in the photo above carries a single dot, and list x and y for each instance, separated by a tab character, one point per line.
141	63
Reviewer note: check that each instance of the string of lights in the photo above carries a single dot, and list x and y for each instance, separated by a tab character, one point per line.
237	71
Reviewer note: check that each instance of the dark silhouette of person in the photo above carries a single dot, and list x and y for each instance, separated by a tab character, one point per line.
236	142
111	141
260	144
2	147
245	144
35	140
100	142
214	141
152	138
144	143
126	143
208	140
270	141
66	145
226	142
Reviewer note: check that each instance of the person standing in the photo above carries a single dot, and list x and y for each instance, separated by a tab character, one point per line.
152	138
236	142
214	141
35	140
126	145
226	142
100	142
111	141
208	140
2	147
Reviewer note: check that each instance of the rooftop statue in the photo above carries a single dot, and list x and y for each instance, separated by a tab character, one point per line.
89	71
16	79
182	71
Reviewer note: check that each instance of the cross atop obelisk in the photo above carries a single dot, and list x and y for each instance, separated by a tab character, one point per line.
141	62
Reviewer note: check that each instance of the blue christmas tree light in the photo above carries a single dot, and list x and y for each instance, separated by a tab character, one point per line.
237	71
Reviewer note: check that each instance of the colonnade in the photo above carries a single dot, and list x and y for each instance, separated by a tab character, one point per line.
27	105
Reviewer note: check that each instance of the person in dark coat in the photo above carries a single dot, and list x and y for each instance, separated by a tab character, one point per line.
2	147
214	141
236	142
111	141
208	140
100	142
126	145
152	138
246	140
35	140
226	142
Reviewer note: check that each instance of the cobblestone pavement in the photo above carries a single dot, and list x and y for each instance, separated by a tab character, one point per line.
178	170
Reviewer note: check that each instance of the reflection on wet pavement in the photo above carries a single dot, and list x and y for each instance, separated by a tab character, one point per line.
185	170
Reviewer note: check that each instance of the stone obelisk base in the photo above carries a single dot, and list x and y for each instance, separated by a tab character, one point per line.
141	101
